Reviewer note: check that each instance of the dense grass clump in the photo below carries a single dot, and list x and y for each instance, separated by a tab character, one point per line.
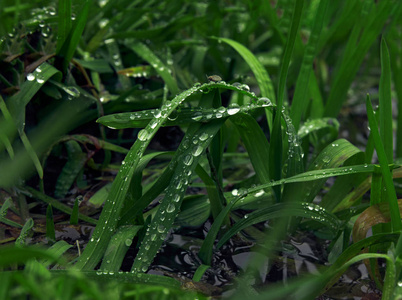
187	149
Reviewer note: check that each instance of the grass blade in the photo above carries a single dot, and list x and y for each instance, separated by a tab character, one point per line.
145	53
386	131
50	232
299	102
387	177
66	51
64	22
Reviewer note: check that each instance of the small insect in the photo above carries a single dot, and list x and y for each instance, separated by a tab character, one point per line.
214	78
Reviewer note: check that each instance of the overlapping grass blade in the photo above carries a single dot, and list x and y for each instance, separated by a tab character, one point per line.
170	205
70	43
275	153
112	209
117	249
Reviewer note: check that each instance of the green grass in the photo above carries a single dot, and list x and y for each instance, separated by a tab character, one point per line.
110	128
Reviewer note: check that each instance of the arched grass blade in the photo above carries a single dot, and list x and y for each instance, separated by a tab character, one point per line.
305	210
260	73
112	210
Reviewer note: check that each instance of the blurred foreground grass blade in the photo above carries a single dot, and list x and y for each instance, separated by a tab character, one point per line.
170	205
145	53
300	99
260	73
20	255
64	22
387	177
386	131
352	60
117	249
305	210
66	51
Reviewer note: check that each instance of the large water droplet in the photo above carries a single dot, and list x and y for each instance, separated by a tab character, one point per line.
197	150
234	108
30	77
161	228
264	102
143	135
197	116
203	136
188	159
171	208
176	198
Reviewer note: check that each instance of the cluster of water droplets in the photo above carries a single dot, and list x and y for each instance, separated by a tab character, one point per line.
318	213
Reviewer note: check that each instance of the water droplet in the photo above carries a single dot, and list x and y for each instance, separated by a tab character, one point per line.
128	242
176	198
143	135
153	237
173	116
197	116
203	136
234	108
188	159
153	124
245	87
30	77
171	208
40	80
161	228
144	268
264	102
235	192
197	150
